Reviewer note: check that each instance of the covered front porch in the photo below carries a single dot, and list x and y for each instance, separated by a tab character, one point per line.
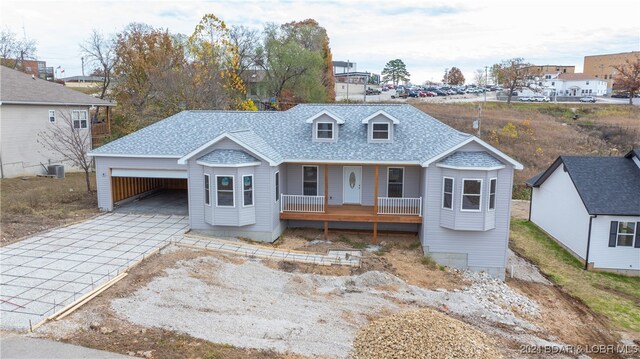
358	194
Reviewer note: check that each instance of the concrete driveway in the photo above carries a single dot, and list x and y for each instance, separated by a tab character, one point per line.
44	273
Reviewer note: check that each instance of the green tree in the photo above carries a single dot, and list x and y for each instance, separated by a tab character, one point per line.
395	71
454	77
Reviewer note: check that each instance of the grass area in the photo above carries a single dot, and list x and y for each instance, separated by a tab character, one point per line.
34	204
536	134
615	296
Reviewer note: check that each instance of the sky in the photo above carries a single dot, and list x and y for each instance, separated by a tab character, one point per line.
429	36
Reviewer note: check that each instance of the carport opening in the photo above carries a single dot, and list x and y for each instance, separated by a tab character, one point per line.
150	195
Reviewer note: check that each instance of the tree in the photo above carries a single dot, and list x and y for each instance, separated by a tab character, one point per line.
628	77
395	71
496	75
100	51
246	41
293	72
454	77
71	142
480	78
514	72
13	51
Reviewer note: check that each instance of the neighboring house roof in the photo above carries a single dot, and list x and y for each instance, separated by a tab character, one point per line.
576	77
20	88
227	157
606	185
286	136
83	79
471	159
633	153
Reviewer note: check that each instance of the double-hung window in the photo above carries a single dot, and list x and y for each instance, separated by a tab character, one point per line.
79	118
447	193
52	116
277	181
380	131
247	190
395	181
623	234
492	193
324	130
471	194
224	191
207	190
310	180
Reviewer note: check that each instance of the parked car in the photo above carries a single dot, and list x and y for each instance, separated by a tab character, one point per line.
539	99
440	93
620	95
588	99
525	99
372	91
400	94
413	94
430	94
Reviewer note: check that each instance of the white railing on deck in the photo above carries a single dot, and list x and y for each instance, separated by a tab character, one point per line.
298	203
392	205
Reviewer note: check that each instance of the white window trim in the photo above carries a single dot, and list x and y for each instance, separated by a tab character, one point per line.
333	131
52	113
207	179
233	189
403	180
633	235
495	195
86	119
453	189
317	179
388	131
276	188
462	196
253	199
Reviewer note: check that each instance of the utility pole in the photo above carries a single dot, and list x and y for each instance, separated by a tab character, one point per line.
486	82
348	71
82	59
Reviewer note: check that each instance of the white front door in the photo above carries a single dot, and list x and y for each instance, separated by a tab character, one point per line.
351	184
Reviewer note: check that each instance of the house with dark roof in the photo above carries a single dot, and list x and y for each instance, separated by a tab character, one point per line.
366	167
30	106
591	206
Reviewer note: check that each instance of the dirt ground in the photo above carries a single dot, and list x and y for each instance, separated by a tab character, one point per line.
30	205
519	209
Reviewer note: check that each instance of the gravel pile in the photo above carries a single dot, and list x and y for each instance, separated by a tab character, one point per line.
423	333
490	290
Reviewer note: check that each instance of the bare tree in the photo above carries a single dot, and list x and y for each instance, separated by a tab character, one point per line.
100	52
480	78
628	77
13	51
514	72
71	142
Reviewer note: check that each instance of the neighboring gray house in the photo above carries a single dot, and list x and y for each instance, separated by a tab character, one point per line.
29	106
591	206
376	167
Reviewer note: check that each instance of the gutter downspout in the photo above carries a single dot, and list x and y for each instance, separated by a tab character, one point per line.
530	202
586	260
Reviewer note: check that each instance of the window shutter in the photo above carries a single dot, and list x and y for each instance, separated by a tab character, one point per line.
637	245
613	234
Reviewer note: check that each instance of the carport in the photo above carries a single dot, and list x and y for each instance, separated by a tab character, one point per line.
149	191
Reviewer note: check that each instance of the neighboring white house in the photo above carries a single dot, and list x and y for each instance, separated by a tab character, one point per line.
591	206
30	106
572	85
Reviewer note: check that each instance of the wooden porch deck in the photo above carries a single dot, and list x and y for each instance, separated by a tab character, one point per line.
350	213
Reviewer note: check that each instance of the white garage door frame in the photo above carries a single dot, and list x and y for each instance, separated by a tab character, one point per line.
148	173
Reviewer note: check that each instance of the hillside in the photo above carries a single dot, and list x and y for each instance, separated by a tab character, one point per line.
536	134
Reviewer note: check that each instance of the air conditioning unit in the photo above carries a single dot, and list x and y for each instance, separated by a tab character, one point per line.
56	170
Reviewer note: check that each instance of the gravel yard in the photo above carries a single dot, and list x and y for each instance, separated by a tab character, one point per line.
245	303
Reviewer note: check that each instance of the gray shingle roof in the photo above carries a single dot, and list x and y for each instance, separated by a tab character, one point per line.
18	87
227	157
286	135
471	159
606	185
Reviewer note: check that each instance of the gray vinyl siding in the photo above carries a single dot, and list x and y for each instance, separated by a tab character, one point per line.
197	210
105	164
412	176
483	249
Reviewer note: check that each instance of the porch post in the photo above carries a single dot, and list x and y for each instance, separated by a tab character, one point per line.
375	203
326	231
326	187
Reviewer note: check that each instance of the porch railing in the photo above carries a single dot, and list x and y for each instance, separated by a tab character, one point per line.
298	203
392	205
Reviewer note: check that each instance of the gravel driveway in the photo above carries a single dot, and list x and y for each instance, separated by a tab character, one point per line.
42	274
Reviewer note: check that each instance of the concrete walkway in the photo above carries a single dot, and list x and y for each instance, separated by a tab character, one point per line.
16	347
42	274
347	258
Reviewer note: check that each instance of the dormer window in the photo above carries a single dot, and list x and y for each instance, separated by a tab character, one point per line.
324	130
380	131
